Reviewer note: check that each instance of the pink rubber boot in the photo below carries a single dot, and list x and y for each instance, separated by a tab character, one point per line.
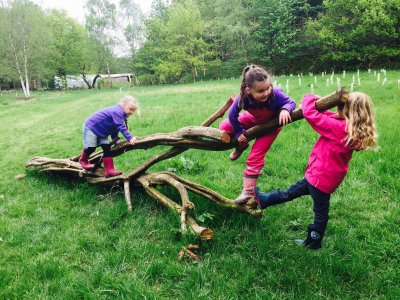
249	183
84	161
109	170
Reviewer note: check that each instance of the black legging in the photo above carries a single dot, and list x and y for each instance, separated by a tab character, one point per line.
106	150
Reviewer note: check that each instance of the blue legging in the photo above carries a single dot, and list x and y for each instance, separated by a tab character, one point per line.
301	188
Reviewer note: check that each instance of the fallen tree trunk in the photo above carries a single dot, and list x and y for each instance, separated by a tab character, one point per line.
195	137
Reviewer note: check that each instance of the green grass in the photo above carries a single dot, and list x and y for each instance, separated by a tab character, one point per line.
65	239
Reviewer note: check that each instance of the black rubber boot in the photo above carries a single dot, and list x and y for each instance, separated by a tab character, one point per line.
313	240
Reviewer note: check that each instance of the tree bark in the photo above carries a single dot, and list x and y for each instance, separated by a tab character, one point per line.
109	75
27	88
17	66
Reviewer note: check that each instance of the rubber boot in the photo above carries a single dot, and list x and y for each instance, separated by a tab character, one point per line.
248	190
108	164
313	240
238	151
84	161
267	199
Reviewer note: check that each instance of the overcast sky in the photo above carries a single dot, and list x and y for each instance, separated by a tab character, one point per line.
74	8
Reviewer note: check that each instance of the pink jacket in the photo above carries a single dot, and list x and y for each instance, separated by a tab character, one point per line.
329	159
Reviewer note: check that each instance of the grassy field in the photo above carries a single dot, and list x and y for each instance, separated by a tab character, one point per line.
64	239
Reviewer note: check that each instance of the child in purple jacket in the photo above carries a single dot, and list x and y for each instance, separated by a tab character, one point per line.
261	103
101	124
352	128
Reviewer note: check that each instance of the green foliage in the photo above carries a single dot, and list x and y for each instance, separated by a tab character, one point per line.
191	40
184	164
285	36
133	17
358	33
68	46
25	40
100	23
228	25
152	52
175	44
205	217
278	33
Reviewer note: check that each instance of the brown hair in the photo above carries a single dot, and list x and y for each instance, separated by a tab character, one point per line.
251	74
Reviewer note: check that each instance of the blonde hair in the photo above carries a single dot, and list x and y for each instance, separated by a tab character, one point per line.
130	99
360	122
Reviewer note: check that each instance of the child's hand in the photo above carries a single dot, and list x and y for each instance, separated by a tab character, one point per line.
284	117
132	141
242	139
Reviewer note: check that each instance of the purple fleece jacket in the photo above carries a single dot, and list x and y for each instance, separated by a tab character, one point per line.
109	121
275	103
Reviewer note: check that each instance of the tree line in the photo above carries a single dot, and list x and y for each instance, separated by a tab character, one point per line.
181	40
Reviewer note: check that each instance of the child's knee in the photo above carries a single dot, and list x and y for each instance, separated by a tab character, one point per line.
226	126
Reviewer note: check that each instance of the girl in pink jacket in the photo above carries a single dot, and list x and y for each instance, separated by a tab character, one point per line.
352	128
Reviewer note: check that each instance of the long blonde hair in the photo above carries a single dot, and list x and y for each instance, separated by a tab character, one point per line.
360	122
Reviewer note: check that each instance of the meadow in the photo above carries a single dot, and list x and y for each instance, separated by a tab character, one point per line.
66	239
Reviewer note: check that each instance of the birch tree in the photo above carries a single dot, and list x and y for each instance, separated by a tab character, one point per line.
133	23
24	38
100	24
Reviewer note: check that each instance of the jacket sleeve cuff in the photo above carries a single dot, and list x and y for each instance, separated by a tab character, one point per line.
239	133
288	107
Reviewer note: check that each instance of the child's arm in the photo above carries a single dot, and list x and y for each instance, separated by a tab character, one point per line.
323	123
325	112
284	101
329	113
233	116
119	122
286	105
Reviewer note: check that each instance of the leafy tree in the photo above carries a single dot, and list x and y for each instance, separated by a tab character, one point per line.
228	32
175	45
133	24
152	51
158	9
25	39
278	32
186	47
358	32
100	24
68	46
